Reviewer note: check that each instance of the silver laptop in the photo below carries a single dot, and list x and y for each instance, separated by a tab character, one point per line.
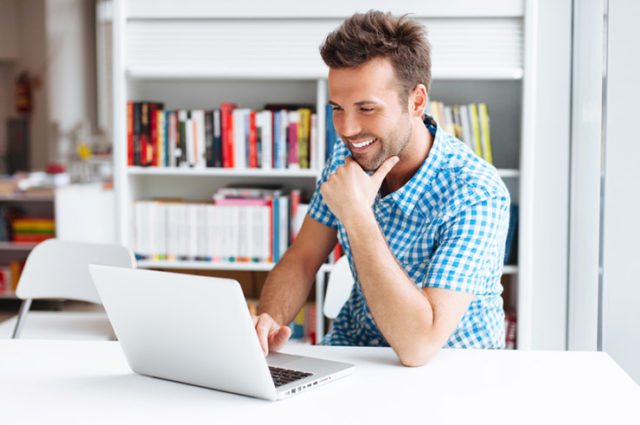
198	330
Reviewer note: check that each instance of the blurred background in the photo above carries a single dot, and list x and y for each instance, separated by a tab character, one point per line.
112	130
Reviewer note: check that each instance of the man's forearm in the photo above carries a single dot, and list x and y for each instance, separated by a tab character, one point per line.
286	289
401	312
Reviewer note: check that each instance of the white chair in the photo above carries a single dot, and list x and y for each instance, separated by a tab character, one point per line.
58	269
338	288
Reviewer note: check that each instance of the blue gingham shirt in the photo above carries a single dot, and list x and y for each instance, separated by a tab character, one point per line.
446	227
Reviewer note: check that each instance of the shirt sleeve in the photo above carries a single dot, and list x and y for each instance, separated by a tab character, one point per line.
318	209
470	252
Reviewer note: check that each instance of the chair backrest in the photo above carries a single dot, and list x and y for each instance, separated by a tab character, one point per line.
59	269
338	288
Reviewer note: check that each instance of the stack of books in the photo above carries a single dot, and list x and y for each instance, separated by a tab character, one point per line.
469	123
278	137
9	277
238	225
32	230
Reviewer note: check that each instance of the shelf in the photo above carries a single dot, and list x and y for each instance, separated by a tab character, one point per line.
16	246
202	73
229	172
206	265
20	197
507	173
289	9
477	74
203	265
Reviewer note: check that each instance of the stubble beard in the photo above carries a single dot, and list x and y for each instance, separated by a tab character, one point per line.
390	146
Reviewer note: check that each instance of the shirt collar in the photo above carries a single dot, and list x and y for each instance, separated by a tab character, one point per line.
411	192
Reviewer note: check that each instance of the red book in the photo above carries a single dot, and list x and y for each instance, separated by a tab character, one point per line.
253	141
294	199
32	237
293	145
152	152
226	117
144	133
130	133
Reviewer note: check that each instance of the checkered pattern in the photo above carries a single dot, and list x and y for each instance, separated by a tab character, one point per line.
447	227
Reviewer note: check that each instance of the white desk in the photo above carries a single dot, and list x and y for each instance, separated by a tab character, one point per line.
69	382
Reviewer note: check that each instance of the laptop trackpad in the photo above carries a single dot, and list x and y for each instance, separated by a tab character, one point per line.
284	360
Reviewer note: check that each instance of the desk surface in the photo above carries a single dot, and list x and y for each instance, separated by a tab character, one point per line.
69	382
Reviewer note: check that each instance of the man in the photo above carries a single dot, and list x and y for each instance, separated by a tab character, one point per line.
422	219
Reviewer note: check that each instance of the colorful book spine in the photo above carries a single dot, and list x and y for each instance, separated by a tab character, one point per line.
130	148
485	132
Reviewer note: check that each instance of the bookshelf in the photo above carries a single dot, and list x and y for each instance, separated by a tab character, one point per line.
197	54
40	205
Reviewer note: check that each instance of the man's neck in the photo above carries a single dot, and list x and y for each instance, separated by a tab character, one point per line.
411	159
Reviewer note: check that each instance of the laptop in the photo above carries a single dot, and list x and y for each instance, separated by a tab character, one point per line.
198	330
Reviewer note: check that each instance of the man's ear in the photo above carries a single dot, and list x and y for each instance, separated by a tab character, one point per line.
418	100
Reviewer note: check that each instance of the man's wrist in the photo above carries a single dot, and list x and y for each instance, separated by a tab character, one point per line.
361	216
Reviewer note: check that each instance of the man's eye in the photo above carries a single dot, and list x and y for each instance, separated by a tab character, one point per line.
336	108
366	109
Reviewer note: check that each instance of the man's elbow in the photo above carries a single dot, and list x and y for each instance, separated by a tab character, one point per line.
419	355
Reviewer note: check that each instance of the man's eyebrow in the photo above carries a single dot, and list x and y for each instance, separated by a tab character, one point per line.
366	102
359	103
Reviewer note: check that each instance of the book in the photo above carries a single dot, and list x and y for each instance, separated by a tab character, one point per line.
475	128
151	157
208	135
130	149
314	149
252	140
199	143
331	136
280	141
304	132
511	325
264	133
160	152
466	126
511	243
226	116
217	138
182	138
485	133
292	140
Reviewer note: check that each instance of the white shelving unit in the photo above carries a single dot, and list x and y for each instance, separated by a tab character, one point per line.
196	54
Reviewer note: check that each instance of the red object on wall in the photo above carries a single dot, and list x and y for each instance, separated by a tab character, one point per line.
24	100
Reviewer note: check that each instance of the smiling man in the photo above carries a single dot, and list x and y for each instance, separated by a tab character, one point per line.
422	219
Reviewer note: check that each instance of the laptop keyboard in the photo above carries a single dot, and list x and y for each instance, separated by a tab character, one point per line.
284	376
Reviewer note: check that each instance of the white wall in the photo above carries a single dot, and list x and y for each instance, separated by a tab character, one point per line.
30	55
33	57
621	232
71	69
543	239
586	141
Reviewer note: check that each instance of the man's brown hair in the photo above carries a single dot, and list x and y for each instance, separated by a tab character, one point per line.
365	36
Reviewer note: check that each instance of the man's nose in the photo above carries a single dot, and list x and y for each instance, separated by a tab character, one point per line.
350	126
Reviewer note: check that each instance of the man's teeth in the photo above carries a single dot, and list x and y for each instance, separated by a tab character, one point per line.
363	144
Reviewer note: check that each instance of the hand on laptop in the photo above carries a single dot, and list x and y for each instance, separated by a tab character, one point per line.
272	336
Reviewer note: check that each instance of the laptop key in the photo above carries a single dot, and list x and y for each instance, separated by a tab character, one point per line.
285	376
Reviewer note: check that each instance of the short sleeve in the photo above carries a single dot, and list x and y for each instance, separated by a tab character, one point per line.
470	250
318	209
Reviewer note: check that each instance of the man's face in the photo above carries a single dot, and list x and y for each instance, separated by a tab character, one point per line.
367	113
